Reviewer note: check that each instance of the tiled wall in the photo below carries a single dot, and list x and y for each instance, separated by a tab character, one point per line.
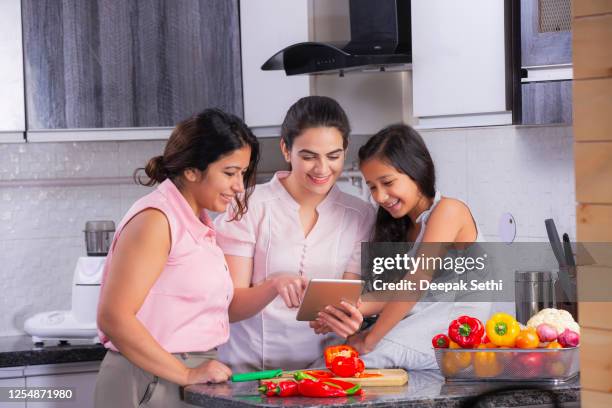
525	171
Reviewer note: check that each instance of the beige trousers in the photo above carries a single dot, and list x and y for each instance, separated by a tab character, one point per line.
121	384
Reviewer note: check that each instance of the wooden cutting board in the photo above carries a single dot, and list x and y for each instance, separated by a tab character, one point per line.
390	377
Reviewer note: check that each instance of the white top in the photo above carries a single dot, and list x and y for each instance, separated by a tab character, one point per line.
426	319
271	233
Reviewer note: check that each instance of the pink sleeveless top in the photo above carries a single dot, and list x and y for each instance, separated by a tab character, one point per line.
187	308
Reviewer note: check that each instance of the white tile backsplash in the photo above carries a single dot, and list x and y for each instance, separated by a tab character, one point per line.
527	171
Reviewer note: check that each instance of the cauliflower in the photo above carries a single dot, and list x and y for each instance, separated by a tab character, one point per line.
557	318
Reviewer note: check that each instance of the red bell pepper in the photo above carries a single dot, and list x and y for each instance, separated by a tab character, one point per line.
347	366
343	350
466	331
323	389
279	389
440	341
320	373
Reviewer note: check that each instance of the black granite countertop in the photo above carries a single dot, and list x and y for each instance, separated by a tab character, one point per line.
424	389
18	351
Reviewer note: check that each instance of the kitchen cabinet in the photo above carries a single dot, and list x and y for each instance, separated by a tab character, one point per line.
12	106
80	377
12	377
267	26
546	61
460	67
128	64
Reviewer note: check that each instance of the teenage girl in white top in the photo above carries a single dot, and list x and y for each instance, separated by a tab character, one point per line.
400	173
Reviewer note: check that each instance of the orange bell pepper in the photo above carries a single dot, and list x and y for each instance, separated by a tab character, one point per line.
486	364
455	361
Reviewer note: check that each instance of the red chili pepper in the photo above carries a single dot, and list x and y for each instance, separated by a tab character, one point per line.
323	389
466	331
343	350
440	341
268	388
345	385
279	389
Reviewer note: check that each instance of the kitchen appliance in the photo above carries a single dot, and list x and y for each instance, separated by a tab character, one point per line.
79	323
380	39
533	291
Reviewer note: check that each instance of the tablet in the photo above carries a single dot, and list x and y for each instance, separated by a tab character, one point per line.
324	292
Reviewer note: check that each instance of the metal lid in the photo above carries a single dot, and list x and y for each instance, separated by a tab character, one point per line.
532	276
91	226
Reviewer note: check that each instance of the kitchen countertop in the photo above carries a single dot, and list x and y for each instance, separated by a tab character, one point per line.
424	389
18	351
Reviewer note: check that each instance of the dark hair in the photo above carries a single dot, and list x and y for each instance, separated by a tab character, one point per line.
403	148
311	112
199	141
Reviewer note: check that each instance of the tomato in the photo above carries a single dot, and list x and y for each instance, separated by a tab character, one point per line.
527	365
527	338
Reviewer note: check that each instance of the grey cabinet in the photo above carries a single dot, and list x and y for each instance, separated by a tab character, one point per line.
546	61
134	63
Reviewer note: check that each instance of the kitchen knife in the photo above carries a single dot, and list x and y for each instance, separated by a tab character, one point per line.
555	242
567	248
256	375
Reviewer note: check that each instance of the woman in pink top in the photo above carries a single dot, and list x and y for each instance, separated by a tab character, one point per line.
166	289
299	226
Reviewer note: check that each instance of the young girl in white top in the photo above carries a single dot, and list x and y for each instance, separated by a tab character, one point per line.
299	226
400	173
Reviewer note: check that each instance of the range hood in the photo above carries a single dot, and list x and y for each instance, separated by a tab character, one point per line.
380	39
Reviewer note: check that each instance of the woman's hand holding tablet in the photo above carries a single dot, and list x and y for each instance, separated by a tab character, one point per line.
332	305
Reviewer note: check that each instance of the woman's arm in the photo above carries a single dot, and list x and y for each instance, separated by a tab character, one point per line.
448	218
138	259
249	300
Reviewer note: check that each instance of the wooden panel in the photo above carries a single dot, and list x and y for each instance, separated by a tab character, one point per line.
595	399
590	7
594	223
596	314
596	359
112	63
594	284
593	172
546	102
592	118
593	47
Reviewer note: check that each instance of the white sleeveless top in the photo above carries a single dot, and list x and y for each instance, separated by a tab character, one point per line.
427	319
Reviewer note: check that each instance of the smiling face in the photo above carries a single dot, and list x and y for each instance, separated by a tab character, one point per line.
217	186
317	159
393	190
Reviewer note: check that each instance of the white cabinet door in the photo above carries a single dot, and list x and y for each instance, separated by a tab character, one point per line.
12	107
12	383
266	27
459	71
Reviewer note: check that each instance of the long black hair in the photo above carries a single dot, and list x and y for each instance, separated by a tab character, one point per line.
197	142
403	148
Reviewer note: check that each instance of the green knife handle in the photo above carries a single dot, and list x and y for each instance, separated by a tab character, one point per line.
256	375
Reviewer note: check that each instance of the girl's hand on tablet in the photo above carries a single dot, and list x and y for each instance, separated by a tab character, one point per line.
320	327
291	288
344	322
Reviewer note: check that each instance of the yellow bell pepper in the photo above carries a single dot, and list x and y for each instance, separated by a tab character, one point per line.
502	329
486	364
